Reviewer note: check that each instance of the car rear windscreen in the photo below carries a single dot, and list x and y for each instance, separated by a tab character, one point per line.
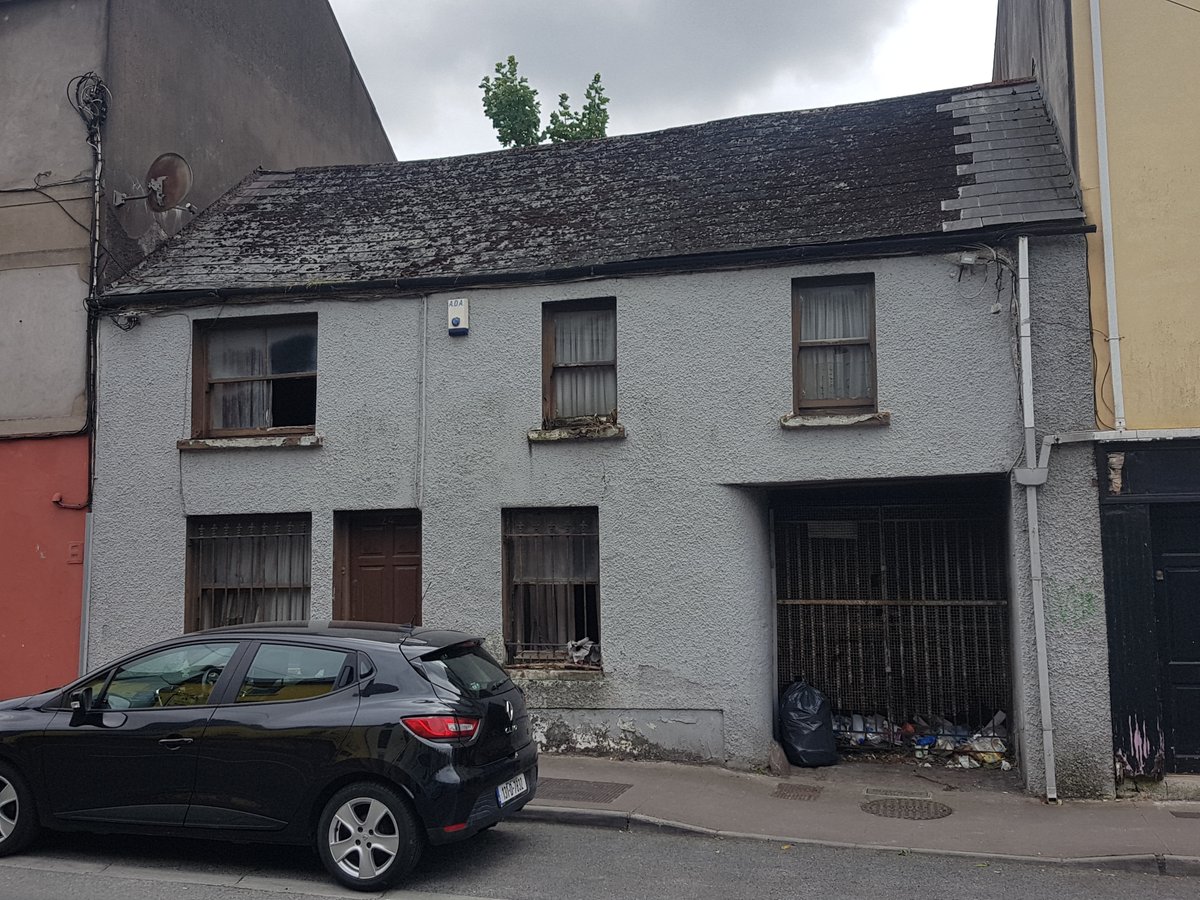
468	669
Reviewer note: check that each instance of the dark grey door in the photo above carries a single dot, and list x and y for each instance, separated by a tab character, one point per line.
1177	575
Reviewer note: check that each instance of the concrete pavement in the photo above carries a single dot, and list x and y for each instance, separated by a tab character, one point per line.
990	818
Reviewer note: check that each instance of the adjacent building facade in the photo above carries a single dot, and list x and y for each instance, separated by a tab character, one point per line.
91	93
1122	81
671	419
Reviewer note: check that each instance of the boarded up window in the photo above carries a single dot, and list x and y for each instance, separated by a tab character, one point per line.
255	375
244	569
579	364
833	329
552	583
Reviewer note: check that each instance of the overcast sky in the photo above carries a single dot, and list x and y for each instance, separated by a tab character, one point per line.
663	62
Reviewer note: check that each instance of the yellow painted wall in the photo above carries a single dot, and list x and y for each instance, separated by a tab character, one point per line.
1152	86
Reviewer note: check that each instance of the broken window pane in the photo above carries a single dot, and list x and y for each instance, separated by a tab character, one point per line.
244	365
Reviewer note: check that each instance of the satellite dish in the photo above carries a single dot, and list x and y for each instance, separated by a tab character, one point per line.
168	182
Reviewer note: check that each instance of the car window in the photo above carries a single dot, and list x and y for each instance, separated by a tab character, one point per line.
287	672
468	669
178	676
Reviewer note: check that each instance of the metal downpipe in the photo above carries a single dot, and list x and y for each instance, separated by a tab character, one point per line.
1031	509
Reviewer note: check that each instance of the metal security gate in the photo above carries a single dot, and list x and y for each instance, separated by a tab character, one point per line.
895	609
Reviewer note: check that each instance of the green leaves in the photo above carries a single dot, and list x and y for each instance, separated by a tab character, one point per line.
512	105
589	122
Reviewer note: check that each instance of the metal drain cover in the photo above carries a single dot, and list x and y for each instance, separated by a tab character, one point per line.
1185	815
902	808
577	790
797	792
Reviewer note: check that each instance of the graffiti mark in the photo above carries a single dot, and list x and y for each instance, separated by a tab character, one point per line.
1072	603
1146	754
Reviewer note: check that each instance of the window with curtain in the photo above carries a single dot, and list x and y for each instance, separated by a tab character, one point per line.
244	569
833	333
254	375
579	365
552	585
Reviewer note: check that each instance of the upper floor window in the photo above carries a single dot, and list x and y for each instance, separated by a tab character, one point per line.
579	361
255	375
833	336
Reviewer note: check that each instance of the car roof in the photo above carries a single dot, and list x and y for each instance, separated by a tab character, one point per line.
413	637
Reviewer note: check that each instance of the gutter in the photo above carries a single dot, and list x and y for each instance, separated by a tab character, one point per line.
1110	275
1039	473
901	246
1032	527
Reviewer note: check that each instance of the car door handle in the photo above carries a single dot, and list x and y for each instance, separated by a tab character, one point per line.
174	743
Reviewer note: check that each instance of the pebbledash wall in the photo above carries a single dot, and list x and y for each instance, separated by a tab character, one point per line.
703	376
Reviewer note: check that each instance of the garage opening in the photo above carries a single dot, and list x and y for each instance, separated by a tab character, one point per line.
893	601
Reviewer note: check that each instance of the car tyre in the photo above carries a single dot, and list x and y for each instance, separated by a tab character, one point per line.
368	836
18	816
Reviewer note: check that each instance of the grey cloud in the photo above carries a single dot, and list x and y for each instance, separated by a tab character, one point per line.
664	62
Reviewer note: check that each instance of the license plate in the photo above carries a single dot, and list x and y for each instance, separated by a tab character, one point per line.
511	789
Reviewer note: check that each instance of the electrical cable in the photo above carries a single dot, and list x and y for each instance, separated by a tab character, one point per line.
1183	6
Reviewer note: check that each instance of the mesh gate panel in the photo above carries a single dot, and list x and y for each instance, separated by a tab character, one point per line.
900	611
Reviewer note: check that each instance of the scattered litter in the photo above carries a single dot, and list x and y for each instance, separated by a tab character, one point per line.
929	736
583	651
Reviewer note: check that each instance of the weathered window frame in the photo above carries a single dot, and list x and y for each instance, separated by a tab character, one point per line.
579	594
550	364
256	532
202	383
849	405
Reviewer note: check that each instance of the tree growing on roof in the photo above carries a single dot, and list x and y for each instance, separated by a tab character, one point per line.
511	103
589	122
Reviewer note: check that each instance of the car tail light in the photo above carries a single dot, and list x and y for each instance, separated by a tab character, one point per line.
442	728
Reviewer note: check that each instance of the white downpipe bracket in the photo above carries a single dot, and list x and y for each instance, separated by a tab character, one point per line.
1031	507
1106	224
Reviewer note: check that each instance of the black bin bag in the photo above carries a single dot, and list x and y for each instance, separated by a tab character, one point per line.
806	726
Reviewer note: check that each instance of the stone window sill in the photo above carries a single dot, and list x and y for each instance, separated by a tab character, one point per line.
252	442
589	431
835	420
518	673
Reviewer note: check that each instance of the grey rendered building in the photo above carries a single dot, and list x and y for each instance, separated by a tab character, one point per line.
736	403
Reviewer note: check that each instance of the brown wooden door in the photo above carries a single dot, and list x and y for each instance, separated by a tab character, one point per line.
382	567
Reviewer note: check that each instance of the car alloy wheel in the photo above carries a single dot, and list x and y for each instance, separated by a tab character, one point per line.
369	837
10	809
18	821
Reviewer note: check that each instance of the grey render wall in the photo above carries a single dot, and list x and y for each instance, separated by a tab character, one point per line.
229	84
43	254
704	374
1069	517
232	85
1033	39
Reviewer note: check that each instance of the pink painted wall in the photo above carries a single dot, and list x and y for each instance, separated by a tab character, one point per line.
41	562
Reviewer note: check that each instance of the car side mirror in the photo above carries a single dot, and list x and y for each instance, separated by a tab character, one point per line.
81	705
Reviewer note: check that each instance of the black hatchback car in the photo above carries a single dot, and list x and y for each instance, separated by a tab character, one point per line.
370	740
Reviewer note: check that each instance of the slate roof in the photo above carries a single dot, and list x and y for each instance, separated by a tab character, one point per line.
907	166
